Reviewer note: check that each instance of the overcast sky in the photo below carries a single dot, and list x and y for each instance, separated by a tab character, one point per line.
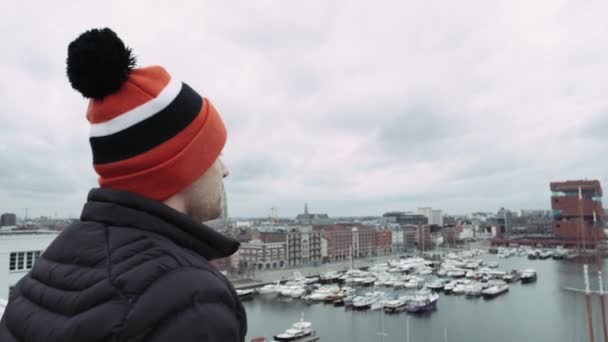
355	107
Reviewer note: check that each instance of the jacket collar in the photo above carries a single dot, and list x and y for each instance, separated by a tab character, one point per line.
124	208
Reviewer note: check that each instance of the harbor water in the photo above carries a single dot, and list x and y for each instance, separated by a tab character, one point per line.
542	311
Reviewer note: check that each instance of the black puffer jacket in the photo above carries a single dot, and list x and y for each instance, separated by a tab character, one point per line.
132	269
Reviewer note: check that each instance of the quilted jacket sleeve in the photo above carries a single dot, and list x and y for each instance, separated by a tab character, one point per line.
187	305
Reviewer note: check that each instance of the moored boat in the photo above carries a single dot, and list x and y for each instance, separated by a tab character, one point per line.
246	294
473	290
435	286
422	302
494	291
396	305
299	331
528	276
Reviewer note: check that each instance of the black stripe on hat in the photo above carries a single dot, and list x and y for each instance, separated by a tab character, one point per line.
151	132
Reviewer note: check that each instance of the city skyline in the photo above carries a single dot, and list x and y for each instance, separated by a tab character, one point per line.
357	109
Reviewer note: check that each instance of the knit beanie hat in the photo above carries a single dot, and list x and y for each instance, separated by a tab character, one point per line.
150	133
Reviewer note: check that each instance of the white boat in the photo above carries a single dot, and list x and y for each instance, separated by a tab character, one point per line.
378	305
435	285
368	301
492	264
459	289
471	274
293	291
412	284
298	292
365	281
495	290
298	331
396	305
496	274
473	290
473	265
449	287
528	276
399	284
456	274
246	294
329	277
324	292
363	302
424	270
270	289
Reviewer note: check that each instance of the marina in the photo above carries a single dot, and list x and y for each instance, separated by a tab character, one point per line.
519	299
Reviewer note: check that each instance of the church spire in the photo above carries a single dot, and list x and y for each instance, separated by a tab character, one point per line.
305	208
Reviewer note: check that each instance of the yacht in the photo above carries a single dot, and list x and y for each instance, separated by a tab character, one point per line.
512	277
456	274
449	287
363	302
435	285
459	289
369	301
270	290
324	292
422	302
329	278
396	304
298	332
246	294
495	290
473	290
528	276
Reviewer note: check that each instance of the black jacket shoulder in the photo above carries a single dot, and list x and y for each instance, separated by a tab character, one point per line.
143	276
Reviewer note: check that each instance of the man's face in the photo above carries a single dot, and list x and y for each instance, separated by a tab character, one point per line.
203	198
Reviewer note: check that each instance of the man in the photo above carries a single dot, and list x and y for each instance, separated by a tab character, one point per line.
136	267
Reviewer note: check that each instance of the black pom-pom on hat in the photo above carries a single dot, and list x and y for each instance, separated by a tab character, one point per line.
98	63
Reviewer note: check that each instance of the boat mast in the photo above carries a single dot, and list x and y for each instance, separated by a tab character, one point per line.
598	264
352	261
382	333
588	302
581	226
407	328
602	305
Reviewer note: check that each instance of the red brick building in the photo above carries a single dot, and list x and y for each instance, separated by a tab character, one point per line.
576	201
270	236
383	241
344	238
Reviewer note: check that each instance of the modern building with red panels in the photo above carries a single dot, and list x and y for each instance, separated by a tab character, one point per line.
576	201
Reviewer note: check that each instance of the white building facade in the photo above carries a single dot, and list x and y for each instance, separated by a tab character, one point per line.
19	251
263	255
434	216
303	246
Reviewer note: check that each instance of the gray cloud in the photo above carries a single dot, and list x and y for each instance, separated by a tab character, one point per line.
355	109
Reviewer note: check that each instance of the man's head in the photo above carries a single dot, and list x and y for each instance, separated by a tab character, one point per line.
150	133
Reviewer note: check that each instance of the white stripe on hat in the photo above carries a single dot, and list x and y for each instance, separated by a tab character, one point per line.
139	113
